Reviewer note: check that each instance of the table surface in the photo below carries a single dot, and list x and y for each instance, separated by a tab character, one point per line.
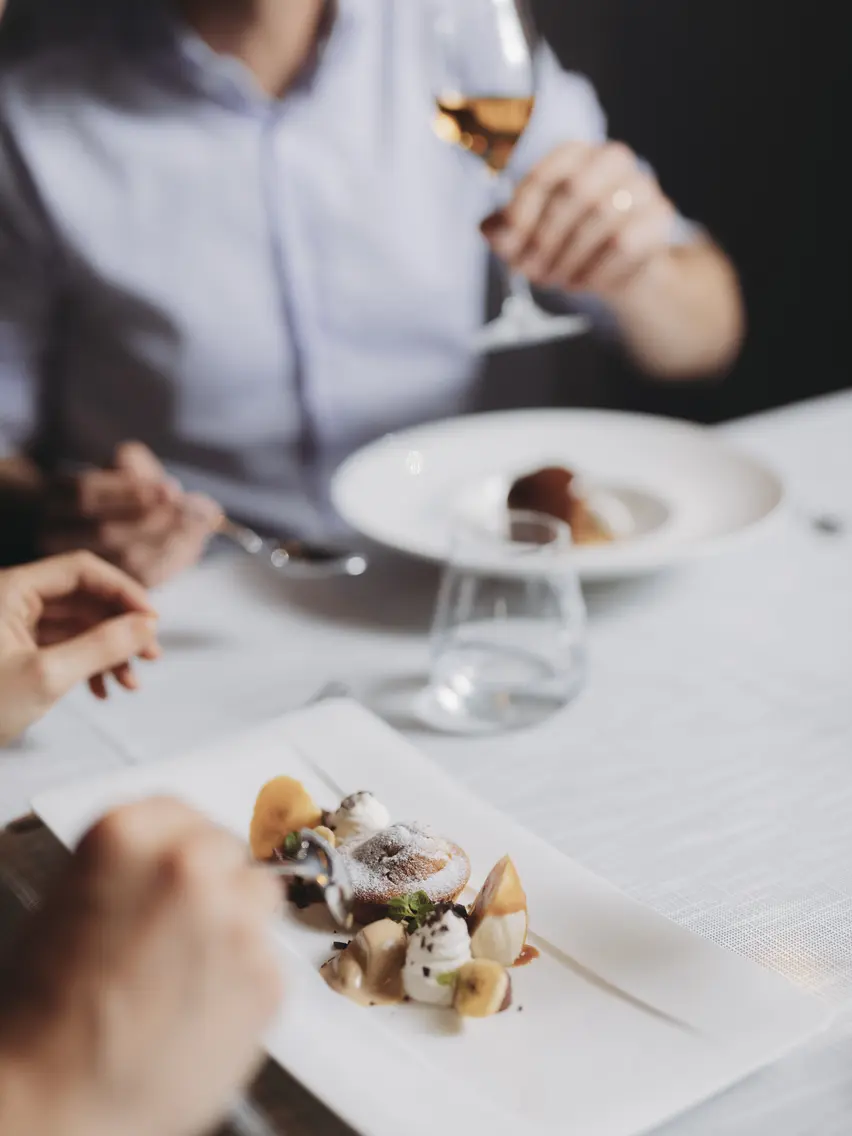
706	770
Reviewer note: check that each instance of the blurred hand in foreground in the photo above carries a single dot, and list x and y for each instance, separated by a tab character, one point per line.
137	1001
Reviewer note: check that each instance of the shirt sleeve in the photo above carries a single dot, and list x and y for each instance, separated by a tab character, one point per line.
567	109
26	298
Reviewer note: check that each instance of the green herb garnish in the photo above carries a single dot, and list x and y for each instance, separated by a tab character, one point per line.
412	910
292	844
448	979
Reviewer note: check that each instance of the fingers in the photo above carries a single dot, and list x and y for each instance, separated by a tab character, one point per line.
631	249
79	611
580	209
511	230
565	228
193	857
61	576
133	515
98	687
153	530
119	854
136	485
154	548
71	617
103	648
110	495
55	633
125	676
140	830
177	546
136	459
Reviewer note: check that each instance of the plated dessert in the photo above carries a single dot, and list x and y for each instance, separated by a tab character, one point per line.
417	941
555	492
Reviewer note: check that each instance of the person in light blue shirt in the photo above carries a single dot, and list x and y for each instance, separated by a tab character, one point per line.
229	234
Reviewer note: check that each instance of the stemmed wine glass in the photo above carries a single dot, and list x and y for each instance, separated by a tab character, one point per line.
485	79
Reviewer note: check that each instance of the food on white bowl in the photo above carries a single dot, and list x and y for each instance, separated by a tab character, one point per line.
556	492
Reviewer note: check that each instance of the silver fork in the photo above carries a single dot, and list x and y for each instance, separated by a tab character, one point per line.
315	862
298	559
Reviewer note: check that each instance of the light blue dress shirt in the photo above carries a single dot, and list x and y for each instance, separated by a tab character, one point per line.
253	287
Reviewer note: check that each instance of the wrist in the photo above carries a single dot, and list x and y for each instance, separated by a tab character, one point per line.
653	278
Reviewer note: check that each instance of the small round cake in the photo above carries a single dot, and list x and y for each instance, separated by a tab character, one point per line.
552	492
546	491
400	860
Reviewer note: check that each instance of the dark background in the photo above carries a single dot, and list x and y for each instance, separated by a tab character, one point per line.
740	107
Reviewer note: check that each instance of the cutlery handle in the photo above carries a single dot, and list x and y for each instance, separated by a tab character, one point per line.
250	541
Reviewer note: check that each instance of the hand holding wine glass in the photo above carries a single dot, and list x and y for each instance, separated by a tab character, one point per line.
588	218
485	87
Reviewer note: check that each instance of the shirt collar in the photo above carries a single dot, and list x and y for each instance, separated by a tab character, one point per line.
225	78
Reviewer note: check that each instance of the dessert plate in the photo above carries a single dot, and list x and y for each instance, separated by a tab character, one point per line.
626	1019
673	490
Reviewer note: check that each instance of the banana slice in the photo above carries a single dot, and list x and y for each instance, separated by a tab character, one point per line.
483	988
327	835
283	806
498	917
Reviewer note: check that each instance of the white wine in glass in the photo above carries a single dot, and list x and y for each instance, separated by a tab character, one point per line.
485	76
488	127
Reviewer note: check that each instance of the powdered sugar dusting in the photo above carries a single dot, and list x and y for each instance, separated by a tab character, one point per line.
405	858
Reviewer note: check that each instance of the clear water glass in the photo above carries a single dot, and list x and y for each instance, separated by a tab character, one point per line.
509	635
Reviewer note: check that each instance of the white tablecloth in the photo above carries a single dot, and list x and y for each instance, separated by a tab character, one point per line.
707	769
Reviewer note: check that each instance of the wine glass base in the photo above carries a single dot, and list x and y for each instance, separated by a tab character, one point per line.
522	324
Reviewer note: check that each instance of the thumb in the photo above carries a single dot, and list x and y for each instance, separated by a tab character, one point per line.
136	459
105	647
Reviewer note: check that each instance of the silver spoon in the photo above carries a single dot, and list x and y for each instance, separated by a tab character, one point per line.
298	559
316	862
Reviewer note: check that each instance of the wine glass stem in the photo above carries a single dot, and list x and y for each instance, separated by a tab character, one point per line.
519	287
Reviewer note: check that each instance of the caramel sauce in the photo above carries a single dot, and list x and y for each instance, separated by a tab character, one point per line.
528	954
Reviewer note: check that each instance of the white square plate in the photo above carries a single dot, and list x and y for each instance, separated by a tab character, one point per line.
626	1020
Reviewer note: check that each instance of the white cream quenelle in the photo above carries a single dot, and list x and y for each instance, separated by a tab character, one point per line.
358	818
440	947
